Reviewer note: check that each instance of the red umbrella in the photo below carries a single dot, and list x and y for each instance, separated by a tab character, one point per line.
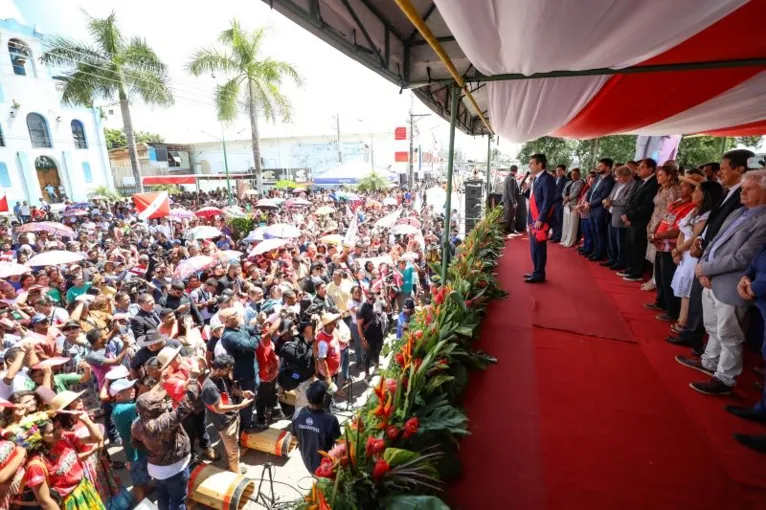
208	212
409	221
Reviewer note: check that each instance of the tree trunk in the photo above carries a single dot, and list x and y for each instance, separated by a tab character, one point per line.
255	139
127	123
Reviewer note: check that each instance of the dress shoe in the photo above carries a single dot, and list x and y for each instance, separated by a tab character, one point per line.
618	268
596	259
747	413
653	306
712	387
608	264
694	364
623	273
757	443
534	280
665	318
527	276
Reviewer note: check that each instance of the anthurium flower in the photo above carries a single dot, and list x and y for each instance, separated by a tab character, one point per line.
380	469
411	427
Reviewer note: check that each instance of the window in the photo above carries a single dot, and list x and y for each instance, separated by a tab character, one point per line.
5	177
38	130
78	133
174	159
87	172
21	56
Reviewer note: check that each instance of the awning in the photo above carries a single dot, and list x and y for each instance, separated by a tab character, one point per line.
573	69
159	180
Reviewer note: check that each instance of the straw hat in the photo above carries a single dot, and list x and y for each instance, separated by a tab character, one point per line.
51	362
63	399
167	355
327	318
693	179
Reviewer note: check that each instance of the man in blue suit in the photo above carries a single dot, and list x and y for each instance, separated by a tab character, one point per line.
558	203
542	189
599	215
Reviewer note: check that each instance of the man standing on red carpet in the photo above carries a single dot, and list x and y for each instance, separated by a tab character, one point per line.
542	189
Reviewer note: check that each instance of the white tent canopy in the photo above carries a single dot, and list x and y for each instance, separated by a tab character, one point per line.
351	172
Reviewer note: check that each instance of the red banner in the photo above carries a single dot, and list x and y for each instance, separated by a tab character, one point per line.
400	133
401	156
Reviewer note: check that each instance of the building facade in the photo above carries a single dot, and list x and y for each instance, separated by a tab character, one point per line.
46	149
153	159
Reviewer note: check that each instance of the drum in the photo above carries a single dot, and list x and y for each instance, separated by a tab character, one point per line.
274	441
219	489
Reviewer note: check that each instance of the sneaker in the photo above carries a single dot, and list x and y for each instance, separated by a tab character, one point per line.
712	387
694	364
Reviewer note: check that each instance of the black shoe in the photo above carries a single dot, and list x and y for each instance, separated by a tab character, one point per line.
698	351
665	318
653	306
608	264
277	414
757	443
747	413
258	427
618	268
694	364
623	274
527	276
712	387
534	280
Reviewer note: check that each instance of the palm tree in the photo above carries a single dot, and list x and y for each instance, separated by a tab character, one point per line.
253	79
111	68
372	182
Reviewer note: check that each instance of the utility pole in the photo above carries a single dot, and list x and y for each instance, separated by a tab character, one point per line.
337	133
226	164
411	174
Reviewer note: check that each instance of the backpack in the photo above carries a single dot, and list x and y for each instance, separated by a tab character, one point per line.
297	364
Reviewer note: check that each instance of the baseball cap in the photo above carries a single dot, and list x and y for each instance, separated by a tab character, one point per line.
316	392
39	318
120	385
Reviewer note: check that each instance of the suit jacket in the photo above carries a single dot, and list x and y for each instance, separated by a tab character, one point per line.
143	322
571	194
561	183
719	215
601	190
640	207
620	203
544	188
757	274
734	250
511	191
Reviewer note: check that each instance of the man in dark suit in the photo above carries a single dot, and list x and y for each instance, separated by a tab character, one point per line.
511	199
558	203
541	194
599	215
148	317
637	216
733	166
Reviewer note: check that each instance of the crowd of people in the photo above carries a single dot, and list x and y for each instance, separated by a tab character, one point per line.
124	331
702	231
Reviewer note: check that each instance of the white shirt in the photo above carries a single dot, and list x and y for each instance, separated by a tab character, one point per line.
165	472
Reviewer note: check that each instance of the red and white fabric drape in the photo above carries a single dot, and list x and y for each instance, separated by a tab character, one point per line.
536	36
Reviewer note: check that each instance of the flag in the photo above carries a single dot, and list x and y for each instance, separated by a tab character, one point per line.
4	203
152	205
350	239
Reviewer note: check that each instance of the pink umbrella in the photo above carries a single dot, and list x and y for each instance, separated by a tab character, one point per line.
181	213
75	212
208	212
297	202
188	267
409	221
52	227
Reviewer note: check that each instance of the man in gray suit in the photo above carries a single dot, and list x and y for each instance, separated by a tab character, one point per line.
617	249
511	199
719	271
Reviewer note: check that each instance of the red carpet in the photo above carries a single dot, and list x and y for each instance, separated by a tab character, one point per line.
568	420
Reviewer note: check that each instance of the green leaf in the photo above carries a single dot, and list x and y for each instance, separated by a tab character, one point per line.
465	331
409	502
398	456
437	381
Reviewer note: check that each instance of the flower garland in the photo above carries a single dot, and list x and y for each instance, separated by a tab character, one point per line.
399	448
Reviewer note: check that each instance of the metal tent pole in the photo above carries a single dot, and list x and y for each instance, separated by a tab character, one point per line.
455	91
489	168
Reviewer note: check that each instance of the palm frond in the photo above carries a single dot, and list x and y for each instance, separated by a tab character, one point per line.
286	69
139	56
65	51
152	89
263	100
210	60
106	34
85	84
226	99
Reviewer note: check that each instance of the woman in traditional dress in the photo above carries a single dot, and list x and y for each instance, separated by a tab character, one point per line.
571	217
667	178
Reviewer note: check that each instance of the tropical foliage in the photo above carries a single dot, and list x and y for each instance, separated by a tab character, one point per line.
372	182
105	191
115	138
286	184
698	150
252	79
400	448
112	68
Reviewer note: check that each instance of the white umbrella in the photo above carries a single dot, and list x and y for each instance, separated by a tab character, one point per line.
12	269
324	210
228	255
297	202
282	231
203	232
388	220
55	258
267	246
188	267
405	230
255	235
234	211
389	201
265	203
